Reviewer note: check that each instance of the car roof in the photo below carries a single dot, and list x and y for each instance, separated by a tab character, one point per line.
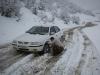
46	25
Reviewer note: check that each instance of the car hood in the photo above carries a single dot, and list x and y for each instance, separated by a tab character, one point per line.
32	38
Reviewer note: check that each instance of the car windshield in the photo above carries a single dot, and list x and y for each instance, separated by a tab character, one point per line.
38	30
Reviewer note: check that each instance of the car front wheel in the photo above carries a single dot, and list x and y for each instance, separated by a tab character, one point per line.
46	48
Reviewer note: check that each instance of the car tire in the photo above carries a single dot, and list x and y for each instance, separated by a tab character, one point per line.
19	51
46	48
62	38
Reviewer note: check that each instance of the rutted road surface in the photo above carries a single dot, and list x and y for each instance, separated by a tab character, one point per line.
8	56
90	59
77	46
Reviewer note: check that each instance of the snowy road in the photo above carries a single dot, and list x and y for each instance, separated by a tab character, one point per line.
8	56
79	58
90	61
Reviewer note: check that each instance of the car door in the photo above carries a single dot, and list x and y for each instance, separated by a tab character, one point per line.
58	31
55	32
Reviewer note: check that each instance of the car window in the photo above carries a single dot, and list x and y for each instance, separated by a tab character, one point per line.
56	28
52	30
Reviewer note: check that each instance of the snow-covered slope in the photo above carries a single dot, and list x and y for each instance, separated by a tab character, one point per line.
85	18
10	28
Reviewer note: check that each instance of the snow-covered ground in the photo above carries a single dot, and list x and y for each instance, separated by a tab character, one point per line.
80	57
93	34
69	61
40	64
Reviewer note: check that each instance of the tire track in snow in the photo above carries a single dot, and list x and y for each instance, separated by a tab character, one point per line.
9	56
50	64
10	61
84	56
10	70
70	68
39	65
90	61
13	70
70	58
68	43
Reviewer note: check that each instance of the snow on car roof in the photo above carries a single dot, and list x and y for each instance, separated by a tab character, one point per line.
46	25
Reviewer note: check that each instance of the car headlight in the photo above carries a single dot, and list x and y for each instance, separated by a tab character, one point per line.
35	43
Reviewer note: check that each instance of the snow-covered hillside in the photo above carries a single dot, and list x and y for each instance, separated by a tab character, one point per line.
10	28
79	58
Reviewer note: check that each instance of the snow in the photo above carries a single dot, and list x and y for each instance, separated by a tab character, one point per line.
91	58
71	62
10	28
93	34
13	68
85	18
70	59
28	65
29	38
68	63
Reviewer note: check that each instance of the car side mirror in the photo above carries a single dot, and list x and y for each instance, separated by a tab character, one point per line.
52	33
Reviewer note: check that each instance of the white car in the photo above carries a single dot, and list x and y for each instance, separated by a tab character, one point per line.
35	38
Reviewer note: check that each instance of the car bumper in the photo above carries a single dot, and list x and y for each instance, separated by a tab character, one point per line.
28	48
